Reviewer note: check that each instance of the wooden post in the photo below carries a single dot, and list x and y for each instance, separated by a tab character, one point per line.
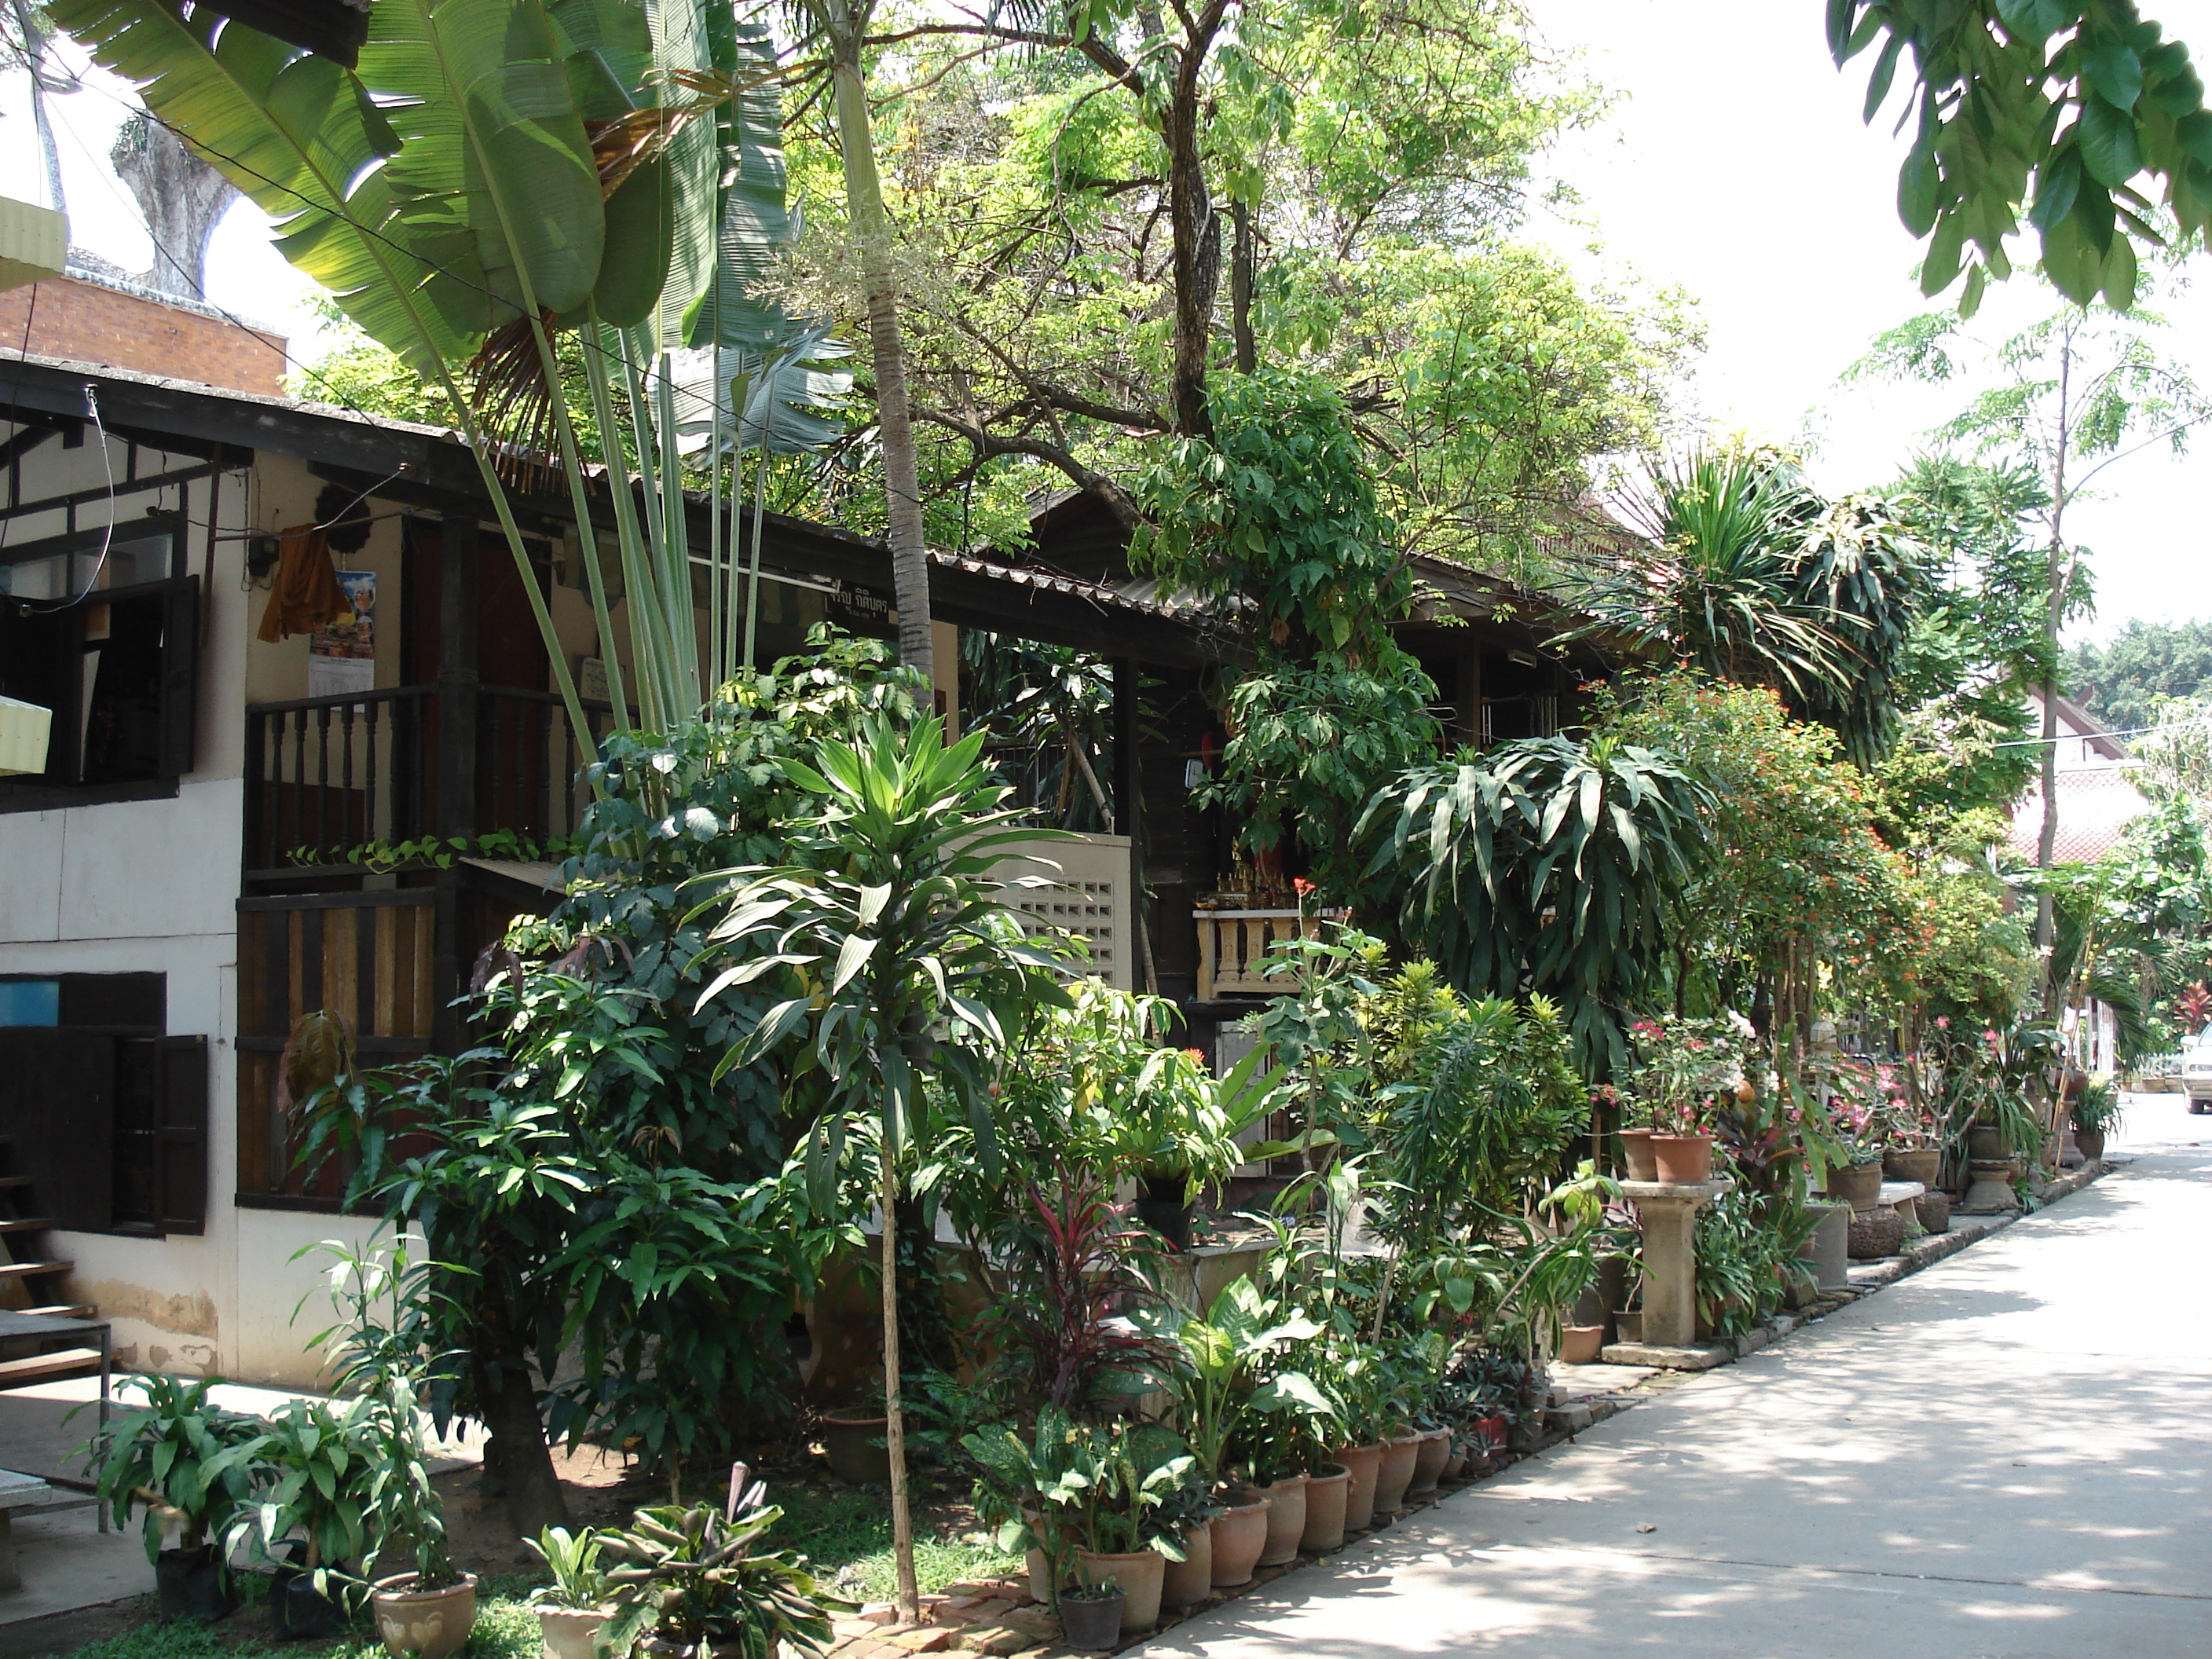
1129	819
453	809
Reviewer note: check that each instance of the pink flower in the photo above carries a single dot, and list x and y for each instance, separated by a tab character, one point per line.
1942	1022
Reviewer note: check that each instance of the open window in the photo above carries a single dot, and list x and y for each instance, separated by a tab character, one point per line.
103	1111
105	633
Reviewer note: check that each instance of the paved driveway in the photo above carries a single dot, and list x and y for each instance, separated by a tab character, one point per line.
2006	1457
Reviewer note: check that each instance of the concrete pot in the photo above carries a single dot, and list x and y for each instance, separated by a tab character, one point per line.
568	1632
1985	1144
1240	1533
1636	1152
1141	1574
1683	1160
1876	1233
1396	1474
1186	1583
1325	1494
1924	1165
2092	1142
845	1435
1362	1462
1430	1456
1580	1344
429	1624
1286	1521
1092	1623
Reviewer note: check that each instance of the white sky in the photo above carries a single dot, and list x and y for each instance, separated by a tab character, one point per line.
1734	166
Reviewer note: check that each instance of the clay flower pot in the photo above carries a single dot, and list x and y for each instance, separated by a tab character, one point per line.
1286	1520
1430	1457
1396	1474
1580	1344
2092	1142
1141	1574
430	1624
1923	1164
1326	1494
1985	1144
1858	1186
1092	1622
846	1434
1240	1533
568	1632
1186	1583
1636	1152
1683	1160
1362	1462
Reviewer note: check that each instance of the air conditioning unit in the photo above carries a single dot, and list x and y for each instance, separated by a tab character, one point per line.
24	727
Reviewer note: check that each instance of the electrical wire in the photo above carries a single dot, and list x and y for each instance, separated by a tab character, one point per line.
33	607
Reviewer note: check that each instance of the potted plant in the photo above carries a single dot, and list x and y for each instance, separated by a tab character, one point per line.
2096	1109
1185	1515
311	1512
189	1463
1682	1065
1361	1391
691	1581
574	1609
854	1441
1116	1482
1091	1612
1171	1124
429	1609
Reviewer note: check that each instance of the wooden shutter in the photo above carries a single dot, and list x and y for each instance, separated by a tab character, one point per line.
58	1108
180	673
181	1140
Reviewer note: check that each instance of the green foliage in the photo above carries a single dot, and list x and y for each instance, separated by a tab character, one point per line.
1747	574
1217	1384
694	1577
2057	105
2122	681
573	1559
317	1461
195	1454
1546	867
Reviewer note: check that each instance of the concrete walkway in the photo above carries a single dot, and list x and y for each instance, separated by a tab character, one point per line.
2008	1456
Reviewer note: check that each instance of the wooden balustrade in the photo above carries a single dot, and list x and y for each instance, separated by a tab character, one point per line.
1233	944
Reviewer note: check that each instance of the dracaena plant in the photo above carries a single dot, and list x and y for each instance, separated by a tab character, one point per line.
185	1459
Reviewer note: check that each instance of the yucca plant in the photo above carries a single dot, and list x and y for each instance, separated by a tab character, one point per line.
902	969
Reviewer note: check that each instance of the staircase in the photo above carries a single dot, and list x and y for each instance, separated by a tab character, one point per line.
31	1281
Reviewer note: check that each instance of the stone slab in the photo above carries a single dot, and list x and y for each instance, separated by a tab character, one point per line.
1658	1357
18	1490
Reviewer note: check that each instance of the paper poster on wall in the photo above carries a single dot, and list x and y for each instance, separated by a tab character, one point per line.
342	656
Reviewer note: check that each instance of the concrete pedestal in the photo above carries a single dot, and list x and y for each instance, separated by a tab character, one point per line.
1991	1193
1666	1211
1829	1248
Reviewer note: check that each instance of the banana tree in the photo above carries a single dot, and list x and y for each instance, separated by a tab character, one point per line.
902	970
493	175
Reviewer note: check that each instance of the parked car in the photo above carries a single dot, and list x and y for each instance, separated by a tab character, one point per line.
2196	1071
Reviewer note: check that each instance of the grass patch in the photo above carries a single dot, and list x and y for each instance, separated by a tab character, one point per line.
848	1534
506	1628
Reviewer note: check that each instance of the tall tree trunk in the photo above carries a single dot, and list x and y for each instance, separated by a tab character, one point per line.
909	1588
182	197
34	59
1194	226
515	1451
1243	262
864	206
2057	580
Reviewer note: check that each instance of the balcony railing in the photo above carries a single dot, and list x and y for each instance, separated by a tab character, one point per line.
1233	943
324	774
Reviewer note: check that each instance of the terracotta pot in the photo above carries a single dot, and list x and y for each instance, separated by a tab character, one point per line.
1580	1344
2092	1142
1286	1520
1429	1460
1140	1574
1040	1576
1985	1144
1636	1152
430	1624
1325	1494
1858	1186
1362	1462
1396	1474
1455	1465
846	1434
568	1632
1683	1160
1186	1583
1092	1623
1923	1164
1240	1533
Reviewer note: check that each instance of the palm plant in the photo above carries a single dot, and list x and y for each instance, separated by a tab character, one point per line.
902	970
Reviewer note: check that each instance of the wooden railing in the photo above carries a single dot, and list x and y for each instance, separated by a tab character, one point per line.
326	773
1232	943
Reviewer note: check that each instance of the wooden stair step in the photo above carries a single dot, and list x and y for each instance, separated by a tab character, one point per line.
33	1269
37	1224
48	1365
81	1310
